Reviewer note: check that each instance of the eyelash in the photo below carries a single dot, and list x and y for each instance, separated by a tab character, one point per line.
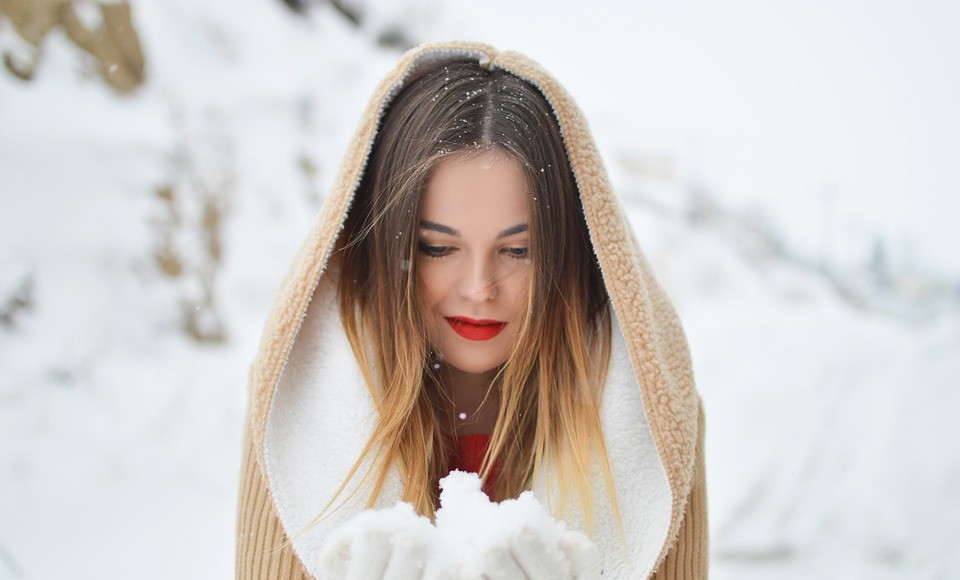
433	251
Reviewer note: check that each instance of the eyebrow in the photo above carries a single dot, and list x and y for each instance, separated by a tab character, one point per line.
428	225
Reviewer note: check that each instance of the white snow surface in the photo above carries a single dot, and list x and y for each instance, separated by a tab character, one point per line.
829	425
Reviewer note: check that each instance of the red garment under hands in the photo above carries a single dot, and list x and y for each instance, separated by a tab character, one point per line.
471	449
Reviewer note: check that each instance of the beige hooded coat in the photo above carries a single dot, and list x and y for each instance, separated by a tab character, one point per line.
309	412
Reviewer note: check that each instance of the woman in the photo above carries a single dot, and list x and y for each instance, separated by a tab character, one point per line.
472	296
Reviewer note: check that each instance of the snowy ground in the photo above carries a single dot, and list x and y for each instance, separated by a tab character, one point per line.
829	425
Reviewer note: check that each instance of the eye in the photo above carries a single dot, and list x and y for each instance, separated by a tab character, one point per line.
518	253
434	251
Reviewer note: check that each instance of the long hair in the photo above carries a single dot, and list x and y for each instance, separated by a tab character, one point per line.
551	384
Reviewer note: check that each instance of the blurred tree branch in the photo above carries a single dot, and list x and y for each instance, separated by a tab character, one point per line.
104	31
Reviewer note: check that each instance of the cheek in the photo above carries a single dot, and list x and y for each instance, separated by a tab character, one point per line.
431	284
432	291
428	298
517	288
520	280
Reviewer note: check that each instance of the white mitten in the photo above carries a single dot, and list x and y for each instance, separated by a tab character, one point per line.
388	544
474	539
514	539
538	554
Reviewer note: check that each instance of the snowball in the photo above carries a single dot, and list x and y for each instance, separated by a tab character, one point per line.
472	527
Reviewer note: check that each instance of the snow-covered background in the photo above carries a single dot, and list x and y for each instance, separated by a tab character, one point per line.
789	170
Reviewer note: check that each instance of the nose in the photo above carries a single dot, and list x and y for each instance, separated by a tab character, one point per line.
479	281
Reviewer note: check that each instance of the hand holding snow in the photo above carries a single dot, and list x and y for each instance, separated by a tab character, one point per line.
393	543
473	538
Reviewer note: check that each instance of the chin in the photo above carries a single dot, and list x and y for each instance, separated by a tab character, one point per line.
472	364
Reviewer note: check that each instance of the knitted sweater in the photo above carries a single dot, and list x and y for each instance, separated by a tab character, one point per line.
310	413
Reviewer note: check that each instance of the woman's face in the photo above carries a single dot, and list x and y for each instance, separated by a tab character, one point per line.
472	259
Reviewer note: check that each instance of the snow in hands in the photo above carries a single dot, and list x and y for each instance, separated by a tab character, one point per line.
473	538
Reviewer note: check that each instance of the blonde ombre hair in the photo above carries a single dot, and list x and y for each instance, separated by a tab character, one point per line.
551	384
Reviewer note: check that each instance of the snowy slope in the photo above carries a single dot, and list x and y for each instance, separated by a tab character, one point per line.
829	428
828	446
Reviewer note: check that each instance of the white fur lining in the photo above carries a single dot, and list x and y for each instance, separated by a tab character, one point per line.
321	415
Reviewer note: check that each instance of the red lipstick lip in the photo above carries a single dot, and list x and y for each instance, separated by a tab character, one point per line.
472	329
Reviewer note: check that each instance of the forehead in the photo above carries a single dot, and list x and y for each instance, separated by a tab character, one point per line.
477	193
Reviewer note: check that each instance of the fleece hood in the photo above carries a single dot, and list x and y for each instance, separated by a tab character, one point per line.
310	414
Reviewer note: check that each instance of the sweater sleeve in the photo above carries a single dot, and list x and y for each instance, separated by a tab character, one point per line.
259	532
688	559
